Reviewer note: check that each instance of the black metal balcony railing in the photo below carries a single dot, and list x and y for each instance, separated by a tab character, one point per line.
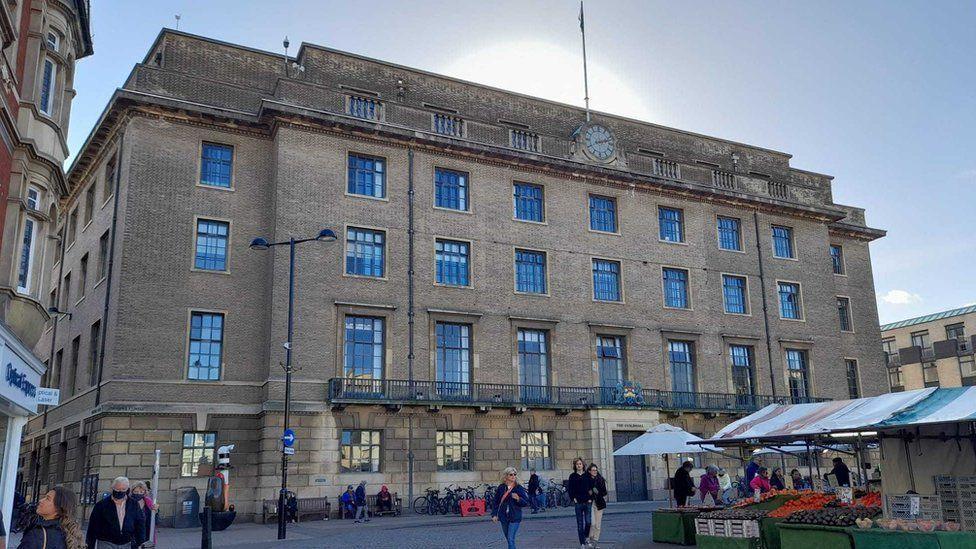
391	391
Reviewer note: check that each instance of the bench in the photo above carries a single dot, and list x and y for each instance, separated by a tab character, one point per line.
306	506
372	508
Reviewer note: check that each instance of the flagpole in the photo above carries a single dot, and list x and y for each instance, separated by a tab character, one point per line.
586	86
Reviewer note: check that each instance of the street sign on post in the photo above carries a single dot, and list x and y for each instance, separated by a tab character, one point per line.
289	451
288	438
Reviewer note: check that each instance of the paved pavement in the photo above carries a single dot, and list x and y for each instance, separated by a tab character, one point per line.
625	525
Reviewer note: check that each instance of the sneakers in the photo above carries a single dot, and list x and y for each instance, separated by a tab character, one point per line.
358	521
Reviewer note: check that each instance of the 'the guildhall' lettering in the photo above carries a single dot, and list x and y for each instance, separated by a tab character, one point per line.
19	380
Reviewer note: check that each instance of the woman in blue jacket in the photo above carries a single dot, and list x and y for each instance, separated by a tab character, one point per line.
510	498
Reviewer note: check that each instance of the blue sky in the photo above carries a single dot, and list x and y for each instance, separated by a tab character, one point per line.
879	94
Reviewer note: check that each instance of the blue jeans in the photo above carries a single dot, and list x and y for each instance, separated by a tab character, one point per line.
539	501
509	529
583	521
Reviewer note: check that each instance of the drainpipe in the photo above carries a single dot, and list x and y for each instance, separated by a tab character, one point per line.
410	320
54	330
765	304
108	274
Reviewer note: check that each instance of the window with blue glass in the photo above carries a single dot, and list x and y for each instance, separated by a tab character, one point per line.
603	213
789	301
676	288
530	271
837	258
783	242
610	360
734	292
606	280
452	262
682	360
743	379
453	358
211	253
365	252
216	165
451	189
363	344
671	224
729	234
529	202
796	366
47	87
367	176
206	345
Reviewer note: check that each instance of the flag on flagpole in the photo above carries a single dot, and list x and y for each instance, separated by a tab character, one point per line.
581	17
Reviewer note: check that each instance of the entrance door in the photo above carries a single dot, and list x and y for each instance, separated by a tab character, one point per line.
628	471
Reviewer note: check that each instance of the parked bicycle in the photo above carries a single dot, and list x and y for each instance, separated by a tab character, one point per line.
429	503
557	495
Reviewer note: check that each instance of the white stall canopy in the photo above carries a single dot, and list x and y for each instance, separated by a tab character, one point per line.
664	439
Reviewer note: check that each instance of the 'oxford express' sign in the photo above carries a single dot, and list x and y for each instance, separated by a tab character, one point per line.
18	380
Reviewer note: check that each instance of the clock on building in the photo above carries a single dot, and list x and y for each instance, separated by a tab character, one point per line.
598	142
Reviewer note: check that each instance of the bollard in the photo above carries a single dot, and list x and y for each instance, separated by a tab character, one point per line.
207	536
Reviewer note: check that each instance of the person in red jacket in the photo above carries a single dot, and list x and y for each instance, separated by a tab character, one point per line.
761	481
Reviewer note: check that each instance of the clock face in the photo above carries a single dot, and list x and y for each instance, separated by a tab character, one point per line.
600	143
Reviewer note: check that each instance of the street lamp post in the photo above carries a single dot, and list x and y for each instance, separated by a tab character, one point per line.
325	235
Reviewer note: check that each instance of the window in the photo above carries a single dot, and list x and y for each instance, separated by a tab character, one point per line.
445	124
533	357
453	451
93	352
56	371
453	358
676	288
71	380
729	234
89	203
216	165
888	345
930	374
603	214
451	189
610	360
33	199
53	40
783	242
743	376
844	314
364	345
789	301
367	176
837	259
734	294
682	361
211	245
956	331
853	384
66	292
967	369
606	280
529	202
671	224
48	83
530	272
452	263
52	301
921	339
82	276
206	345
895	379
359	452
108	183
72	226
536	452
198	454
796	365
365	252
364	107
26	257
103	256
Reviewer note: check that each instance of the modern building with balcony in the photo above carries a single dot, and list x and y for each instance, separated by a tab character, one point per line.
935	350
514	282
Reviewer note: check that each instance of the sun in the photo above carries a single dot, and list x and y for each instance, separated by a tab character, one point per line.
548	71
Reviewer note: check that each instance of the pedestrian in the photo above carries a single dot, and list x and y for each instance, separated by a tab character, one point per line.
799	483
761	481
598	491
840	472
534	491
362	511
776	480
752	468
384	500
348	501
511	497
140	494
682	484
55	526
578	486
116	522
709	484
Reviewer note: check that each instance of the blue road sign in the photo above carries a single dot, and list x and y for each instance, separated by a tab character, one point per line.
288	437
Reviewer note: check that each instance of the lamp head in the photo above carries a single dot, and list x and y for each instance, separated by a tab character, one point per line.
326	235
259	243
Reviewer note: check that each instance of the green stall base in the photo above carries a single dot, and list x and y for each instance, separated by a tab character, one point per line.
876	538
716	542
673	527
956	540
805	536
769	530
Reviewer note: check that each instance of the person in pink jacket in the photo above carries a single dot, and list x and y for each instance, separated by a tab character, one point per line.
709	484
761	481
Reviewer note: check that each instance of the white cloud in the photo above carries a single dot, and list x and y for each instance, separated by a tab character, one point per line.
901	297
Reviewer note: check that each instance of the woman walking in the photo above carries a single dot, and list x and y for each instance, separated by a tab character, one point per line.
510	498
55	526
578	486
140	493
598	492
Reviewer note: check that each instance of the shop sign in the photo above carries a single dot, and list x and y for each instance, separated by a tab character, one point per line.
48	397
20	381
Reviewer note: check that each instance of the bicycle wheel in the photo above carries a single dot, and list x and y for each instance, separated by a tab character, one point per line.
445	505
455	506
564	499
420	505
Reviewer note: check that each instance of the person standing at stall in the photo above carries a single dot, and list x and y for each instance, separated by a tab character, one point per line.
709	484
578	487
752	469
682	483
840	472
777	481
760	482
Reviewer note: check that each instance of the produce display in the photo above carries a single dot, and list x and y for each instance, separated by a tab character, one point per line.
767	496
690	509
807	502
740	514
843	517
912	525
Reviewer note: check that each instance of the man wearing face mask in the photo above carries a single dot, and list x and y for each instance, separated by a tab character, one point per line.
116	522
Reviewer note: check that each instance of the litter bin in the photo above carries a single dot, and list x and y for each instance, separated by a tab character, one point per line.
188	508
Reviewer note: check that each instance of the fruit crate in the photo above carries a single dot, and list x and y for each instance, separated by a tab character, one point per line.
720	528
900	506
703	527
741	528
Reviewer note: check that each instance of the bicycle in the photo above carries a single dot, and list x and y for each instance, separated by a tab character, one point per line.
429	503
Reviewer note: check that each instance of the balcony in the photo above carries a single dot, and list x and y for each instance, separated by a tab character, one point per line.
344	391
